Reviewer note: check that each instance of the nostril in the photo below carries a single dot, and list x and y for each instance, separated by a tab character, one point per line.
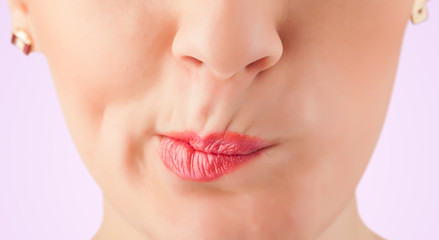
192	61
258	65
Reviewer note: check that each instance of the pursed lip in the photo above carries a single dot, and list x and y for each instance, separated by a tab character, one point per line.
192	157
226	143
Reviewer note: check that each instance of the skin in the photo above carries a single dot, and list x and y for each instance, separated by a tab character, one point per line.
314	78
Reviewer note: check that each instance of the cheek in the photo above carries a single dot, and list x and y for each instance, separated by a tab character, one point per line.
351	61
96	61
343	78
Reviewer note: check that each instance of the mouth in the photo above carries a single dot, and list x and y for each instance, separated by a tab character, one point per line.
191	157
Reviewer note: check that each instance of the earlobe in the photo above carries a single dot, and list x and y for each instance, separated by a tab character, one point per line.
21	28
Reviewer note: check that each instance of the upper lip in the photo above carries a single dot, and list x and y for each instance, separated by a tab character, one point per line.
225	143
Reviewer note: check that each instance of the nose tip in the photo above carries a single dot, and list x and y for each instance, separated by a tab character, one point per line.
227	45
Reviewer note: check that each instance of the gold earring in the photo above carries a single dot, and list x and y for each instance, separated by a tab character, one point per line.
419	11
22	40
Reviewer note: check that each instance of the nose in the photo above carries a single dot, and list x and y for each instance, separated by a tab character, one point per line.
228	37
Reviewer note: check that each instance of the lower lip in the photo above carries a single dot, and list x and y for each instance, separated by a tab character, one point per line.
189	164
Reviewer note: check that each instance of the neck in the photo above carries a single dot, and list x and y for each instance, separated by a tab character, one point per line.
348	225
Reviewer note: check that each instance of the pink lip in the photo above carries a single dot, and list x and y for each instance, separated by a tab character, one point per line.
193	158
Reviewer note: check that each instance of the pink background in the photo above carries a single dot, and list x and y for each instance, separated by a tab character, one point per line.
47	193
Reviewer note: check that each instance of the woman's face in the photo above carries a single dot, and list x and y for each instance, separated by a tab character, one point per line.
313	78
